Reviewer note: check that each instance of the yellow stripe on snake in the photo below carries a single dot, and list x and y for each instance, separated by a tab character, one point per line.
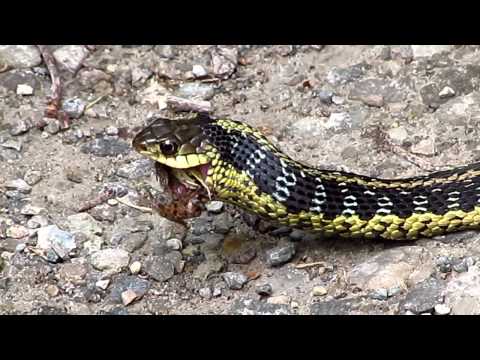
235	163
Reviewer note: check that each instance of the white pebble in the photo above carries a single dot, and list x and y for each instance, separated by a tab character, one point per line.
442	309
102	284
174	244
319	291
135	267
446	92
199	71
24	89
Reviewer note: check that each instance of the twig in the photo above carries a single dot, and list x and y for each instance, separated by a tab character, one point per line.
53	106
181	104
89	105
123	201
309	265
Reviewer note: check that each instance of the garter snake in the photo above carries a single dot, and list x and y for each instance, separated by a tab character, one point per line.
237	164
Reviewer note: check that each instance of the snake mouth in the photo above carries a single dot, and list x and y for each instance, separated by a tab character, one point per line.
185	181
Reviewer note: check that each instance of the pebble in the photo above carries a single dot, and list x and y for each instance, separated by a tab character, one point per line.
128	296
195	90
74	273
446	92
216	292
12	144
264	290
104	147
325	97
24	89
338	100
319	291
165	51
74	107
111	130
111	260
224	61
174	244
159	269
102	284
53	127
19	185
424	296
52	290
51	238
37	221
379	294
32	177
17	231
280	255
70	57
30	209
20	56
135	267
214	207
93	245
255	307
279	300
441	309
199	71
85	223
20	247
371	100
234	280
205	293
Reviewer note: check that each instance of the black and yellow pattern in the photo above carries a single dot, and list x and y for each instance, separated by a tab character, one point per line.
242	167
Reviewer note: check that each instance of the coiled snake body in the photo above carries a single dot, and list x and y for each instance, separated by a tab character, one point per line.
237	164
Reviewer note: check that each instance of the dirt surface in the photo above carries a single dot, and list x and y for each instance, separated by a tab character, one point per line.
388	111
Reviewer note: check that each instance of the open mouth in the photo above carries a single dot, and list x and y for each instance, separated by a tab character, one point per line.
184	183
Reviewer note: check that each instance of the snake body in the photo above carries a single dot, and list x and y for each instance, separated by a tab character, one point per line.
242	167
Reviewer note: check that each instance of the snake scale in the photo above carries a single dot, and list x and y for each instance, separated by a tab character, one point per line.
237	164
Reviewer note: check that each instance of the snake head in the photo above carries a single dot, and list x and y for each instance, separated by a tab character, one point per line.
179	149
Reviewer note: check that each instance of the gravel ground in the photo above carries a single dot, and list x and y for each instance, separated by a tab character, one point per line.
336	107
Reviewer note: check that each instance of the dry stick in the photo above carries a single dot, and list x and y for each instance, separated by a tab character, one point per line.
181	104
54	103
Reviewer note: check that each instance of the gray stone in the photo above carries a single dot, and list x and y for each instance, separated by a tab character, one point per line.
213	265
195	90
73	272
84	223
462	293
224	61
429	50
325	97
462	265
20	56
30	209
111	130
424	296
255	307
393	268
104	147
70	57
159	269
53	127
55	241
37	221
264	290
19	185
234	280
430	97
32	177
342	76
10	80
199	71
174	244
128	282
205	293
132	241
20	127
280	255
74	107
110	260
337	307
12	144
136	169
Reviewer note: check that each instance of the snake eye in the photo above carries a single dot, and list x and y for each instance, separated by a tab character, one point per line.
168	147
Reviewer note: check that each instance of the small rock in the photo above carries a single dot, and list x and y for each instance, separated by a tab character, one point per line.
196	90
224	61
462	293
338	100
325	97
234	281
319	291
52	290
254	307
112	260
217	292
336	307
429	50
102	284
205	293
70	57
379	294
111	130
214	207
20	247
424	147
398	134
53	127
279	300
165	51
159	269
199	71
214	264
135	267
73	272
74	107
128	282
20	56
280	255
19	185
342	76
424	296
29	209
441	309
17	231
85	223
37	221
12	144
32	177
174	244
446	92
104	147
264	290
51	238
338	121
93	245
24	89
372	100
128	296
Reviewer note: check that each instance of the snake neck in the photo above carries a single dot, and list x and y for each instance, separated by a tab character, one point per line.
250	172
